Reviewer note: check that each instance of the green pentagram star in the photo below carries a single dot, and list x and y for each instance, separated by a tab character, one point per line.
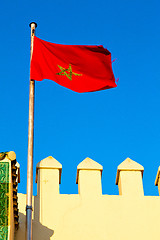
67	72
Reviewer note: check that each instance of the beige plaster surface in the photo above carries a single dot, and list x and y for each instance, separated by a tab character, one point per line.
90	215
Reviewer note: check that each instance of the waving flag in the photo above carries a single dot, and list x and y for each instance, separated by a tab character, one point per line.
80	68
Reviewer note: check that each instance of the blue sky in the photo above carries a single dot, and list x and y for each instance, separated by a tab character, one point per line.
107	126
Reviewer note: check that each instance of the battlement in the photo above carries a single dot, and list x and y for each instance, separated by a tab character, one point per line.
91	215
89	173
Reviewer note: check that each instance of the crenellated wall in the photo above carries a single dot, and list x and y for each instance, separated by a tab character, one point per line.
90	215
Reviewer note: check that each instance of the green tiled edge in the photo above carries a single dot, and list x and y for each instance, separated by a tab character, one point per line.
4	199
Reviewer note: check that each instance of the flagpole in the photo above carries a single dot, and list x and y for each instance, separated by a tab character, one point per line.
33	26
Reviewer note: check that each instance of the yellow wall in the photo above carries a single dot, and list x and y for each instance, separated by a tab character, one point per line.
90	215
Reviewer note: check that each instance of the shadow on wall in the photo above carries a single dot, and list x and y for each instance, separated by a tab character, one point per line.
40	232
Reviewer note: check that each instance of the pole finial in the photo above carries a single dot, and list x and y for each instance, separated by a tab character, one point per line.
33	23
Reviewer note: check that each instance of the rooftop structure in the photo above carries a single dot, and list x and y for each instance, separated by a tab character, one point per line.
88	215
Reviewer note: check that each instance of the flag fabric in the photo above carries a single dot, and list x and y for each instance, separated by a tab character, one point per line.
80	68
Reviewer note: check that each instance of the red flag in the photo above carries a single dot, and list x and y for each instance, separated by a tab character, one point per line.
77	67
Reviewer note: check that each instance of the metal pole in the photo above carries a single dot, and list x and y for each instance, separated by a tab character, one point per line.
33	25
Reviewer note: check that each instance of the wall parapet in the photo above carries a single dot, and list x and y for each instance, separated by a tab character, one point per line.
89	214
88	177
129	178
89	173
157	181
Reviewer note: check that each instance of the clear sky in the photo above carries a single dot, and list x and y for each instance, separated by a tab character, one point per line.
107	126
